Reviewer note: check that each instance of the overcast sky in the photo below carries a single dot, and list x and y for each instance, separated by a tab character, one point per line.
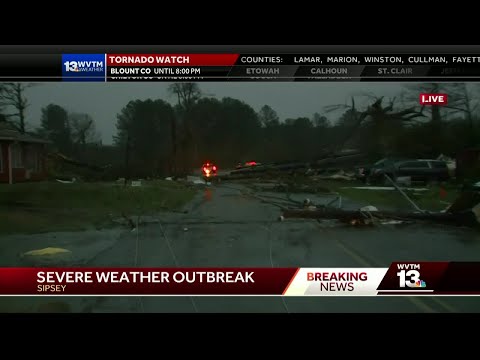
104	100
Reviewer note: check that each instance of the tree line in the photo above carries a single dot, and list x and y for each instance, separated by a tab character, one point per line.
155	137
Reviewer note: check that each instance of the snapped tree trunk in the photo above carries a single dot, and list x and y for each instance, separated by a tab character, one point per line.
127	161
466	217
174	169
22	120
436	124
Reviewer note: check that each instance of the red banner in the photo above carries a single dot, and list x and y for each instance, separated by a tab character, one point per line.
171	59
401	278
145	281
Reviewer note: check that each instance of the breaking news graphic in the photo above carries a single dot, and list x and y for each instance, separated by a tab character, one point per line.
422	278
335	282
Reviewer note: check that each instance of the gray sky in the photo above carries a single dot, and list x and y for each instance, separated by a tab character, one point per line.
104	100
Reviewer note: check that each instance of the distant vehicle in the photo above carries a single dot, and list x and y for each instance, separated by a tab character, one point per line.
247	164
364	172
424	170
209	170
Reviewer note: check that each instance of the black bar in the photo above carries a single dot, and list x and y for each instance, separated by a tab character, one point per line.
257	49
37	65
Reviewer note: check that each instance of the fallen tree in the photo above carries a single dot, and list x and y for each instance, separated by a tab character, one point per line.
465	211
330	160
64	159
466	218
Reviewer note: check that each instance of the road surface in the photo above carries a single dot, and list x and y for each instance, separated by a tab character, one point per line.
226	226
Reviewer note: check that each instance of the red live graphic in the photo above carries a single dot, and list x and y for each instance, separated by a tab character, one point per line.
433	99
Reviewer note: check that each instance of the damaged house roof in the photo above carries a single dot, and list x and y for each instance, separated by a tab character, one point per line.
11	133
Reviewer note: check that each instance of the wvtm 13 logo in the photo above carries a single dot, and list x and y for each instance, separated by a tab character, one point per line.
83	65
409	276
77	66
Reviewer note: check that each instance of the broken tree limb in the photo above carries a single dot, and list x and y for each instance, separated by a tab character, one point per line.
466	218
67	160
327	160
337	200
129	221
337	159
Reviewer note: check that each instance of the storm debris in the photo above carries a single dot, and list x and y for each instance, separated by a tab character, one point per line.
467	217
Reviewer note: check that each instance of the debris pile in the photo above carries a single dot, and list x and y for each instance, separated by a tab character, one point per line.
464	211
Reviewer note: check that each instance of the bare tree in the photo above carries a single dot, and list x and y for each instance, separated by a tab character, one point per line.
187	95
462	100
12	95
378	115
2	105
83	129
268	117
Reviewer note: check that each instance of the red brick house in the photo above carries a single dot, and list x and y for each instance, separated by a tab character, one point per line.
22	156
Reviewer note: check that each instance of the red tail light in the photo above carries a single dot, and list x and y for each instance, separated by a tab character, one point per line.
214	168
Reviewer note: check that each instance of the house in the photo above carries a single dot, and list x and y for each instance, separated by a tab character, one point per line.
22	156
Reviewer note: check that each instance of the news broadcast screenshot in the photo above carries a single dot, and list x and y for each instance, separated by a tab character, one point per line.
283	179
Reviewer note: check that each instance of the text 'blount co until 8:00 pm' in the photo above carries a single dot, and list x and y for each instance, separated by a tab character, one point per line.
155	71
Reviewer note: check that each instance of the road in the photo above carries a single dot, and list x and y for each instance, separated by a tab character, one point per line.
226	226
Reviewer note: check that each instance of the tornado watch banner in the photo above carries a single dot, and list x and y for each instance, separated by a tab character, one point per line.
401	278
316	65
286	67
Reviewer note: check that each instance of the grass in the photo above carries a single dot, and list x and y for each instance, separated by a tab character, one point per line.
53	206
435	198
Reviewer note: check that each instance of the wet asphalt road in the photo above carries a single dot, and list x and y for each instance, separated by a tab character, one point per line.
225	226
